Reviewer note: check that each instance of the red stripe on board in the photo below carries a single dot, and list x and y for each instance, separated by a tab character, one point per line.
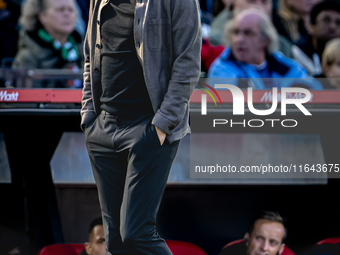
40	95
25	95
66	96
74	96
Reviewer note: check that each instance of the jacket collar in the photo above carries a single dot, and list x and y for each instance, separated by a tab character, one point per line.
274	63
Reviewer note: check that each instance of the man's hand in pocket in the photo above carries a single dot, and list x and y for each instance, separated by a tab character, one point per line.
161	135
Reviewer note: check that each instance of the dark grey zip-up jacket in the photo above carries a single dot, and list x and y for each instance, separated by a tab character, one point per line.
168	41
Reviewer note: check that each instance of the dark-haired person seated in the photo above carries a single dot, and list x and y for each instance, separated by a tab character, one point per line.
96	244
325	25
265	235
294	18
253	54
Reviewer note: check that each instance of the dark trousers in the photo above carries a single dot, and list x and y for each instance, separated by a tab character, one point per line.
131	169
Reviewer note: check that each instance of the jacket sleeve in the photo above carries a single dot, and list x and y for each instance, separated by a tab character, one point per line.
187	41
87	110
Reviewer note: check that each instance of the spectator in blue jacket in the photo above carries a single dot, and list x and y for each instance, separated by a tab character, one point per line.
252	53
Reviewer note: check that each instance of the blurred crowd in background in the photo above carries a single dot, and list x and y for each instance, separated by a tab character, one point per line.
43	34
272	39
241	38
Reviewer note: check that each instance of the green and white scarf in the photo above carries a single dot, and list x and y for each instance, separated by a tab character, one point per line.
69	51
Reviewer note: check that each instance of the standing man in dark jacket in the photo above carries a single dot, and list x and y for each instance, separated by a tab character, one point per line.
142	59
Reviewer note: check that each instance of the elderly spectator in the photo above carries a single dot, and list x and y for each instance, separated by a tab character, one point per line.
47	38
331	65
294	16
253	53
325	25
217	26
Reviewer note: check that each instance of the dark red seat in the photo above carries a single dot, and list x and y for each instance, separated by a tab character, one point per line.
184	248
176	247
331	240
64	249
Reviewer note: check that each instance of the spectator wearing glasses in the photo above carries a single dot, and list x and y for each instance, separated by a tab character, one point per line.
253	54
325	25
217	26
